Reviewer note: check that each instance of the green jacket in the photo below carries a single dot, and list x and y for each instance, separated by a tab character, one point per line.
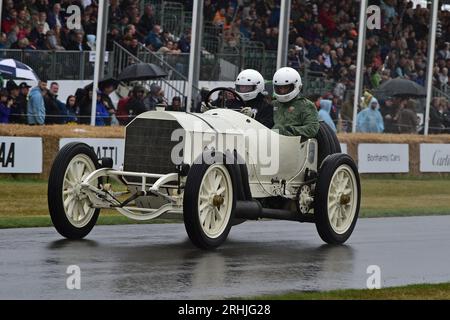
298	117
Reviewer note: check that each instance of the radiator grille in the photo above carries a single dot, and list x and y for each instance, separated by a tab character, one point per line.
148	146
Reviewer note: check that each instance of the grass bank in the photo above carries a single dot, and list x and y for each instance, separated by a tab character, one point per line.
412	292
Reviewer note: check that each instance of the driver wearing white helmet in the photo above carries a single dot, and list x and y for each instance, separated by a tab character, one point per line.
250	86
293	115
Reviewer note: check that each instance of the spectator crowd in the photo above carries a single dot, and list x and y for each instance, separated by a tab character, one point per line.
40	105
323	39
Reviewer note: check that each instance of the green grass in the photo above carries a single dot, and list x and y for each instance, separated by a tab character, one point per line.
412	292
24	201
389	197
24	205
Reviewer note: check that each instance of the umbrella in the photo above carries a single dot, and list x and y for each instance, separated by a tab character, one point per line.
10	68
104	83
142	71
402	88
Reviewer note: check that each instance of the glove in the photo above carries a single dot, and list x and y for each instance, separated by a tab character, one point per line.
248	112
204	107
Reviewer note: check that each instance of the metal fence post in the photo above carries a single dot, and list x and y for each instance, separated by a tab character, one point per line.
82	64
283	37
194	58
360	60
431	56
52	74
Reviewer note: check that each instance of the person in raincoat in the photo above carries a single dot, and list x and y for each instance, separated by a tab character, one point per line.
324	113
36	105
370	119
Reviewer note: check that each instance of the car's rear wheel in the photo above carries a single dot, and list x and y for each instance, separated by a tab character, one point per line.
332	136
337	198
327	141
70	209
209	202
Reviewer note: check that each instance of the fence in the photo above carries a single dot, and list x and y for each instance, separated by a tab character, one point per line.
169	15
176	65
52	135
224	65
122	59
61	65
79	65
444	93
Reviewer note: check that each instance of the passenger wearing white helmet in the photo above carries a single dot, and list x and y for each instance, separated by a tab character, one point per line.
250	86
294	115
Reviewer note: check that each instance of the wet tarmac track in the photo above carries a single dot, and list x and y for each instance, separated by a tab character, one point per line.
159	262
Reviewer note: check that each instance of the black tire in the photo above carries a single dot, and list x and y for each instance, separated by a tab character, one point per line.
55	191
328	142
324	227
191	213
324	143
335	145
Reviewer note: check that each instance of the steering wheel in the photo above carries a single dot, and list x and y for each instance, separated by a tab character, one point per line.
223	89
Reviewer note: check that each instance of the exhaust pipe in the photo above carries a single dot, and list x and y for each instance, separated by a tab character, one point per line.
252	210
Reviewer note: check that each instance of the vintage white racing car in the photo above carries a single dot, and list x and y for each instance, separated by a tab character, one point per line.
217	169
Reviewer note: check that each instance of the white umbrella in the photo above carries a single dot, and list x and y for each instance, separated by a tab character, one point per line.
10	68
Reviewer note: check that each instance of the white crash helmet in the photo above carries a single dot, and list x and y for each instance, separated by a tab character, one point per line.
249	84
287	77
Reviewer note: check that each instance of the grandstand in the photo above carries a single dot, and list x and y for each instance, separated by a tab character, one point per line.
236	35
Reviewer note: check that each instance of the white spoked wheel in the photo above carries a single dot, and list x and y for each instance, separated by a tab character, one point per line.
208	204
215	200
337	198
342	199
76	204
70	209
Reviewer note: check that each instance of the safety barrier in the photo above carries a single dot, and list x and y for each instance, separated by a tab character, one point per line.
375	154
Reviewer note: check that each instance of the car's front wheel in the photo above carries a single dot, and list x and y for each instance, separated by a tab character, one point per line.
337	198
209	202
70	209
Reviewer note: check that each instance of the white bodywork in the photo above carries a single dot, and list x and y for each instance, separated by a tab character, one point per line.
268	155
276	164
